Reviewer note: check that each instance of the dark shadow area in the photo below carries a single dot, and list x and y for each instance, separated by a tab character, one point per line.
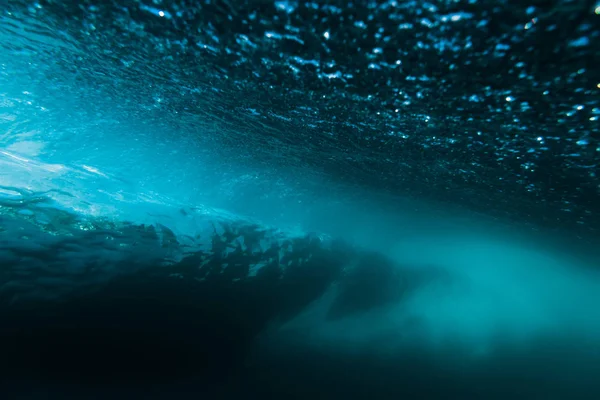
157	330
559	368
194	320
376	281
551	370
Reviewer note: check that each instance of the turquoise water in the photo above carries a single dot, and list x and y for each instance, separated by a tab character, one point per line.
312	200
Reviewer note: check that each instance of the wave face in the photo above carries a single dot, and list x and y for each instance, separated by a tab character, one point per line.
307	199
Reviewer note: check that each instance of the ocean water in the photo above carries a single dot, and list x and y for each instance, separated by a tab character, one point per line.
282	199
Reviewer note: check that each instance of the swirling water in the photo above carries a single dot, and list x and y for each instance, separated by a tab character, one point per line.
300	199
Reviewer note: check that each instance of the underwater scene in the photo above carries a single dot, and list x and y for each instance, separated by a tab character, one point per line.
341	199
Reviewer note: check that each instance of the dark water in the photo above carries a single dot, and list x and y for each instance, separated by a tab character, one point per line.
281	199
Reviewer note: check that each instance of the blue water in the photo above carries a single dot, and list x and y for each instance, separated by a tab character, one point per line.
303	200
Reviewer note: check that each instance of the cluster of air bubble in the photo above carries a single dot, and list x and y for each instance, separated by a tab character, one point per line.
491	104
